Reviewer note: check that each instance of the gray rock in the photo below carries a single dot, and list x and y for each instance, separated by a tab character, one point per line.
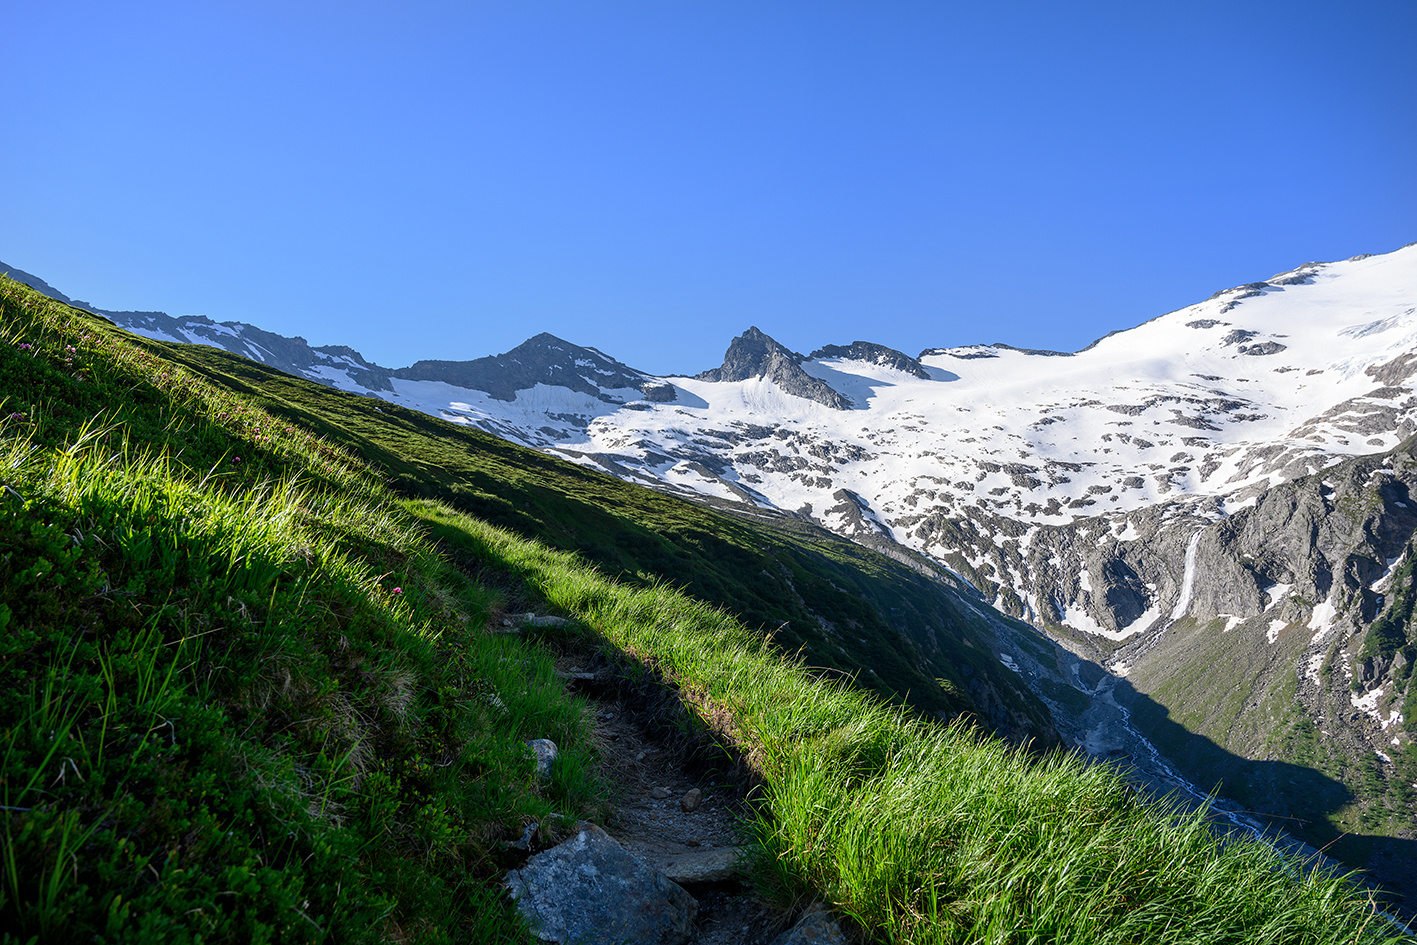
657	392
544	359
703	866
545	752
754	354
589	890
816	927
874	354
692	799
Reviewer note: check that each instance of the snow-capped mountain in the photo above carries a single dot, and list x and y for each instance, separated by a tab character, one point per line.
1217	503
965	454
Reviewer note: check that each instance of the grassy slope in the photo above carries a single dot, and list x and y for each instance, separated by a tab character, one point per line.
836	604
220	719
236	682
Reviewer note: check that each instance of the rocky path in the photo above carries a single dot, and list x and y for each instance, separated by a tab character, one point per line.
667	865
678	817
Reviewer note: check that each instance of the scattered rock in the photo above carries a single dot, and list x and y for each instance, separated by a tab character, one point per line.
691	800
659	793
703	866
816	927
528	838
589	890
516	622
545	752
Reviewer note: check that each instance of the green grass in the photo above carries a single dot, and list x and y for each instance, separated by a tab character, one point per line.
245	694
241	696
824	600
928	833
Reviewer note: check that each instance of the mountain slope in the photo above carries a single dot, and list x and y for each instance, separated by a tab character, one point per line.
840	606
223	720
1162	502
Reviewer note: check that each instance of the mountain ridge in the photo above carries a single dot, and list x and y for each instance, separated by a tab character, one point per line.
1128	498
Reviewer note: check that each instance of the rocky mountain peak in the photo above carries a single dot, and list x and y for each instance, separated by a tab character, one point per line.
543	359
754	354
874	354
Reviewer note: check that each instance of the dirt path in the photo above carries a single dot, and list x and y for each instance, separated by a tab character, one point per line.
678	811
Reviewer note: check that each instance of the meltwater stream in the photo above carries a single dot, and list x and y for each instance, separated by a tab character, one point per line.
1163	769
1151	763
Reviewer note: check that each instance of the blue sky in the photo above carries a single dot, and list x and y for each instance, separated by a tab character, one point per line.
444	180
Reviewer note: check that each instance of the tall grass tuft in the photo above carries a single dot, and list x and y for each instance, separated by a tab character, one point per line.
926	833
242	697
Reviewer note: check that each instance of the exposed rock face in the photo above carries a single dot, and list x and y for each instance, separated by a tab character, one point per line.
873	354
589	891
544	359
1214	504
754	354
657	392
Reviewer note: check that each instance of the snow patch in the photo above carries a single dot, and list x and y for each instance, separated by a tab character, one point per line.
1367	703
1381	584
1231	622
1188	579
1321	621
1079	619
1276	593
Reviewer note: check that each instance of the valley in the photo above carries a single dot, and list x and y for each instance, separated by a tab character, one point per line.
1189	547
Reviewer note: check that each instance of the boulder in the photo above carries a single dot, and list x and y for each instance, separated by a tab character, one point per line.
590	890
704	866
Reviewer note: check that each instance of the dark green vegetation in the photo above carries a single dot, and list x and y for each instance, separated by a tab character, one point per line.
237	692
830	602
1390	641
245	697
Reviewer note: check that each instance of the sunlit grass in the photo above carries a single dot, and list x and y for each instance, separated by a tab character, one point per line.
930	833
244	697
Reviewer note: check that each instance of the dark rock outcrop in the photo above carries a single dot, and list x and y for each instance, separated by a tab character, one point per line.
753	354
873	354
590	891
544	359
817	926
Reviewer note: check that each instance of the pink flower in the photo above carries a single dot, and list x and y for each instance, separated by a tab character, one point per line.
398	590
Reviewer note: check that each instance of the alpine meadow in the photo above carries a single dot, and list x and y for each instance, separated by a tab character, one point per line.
277	656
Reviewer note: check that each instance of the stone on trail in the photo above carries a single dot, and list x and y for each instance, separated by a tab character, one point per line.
590	890
702	866
545	752
816	927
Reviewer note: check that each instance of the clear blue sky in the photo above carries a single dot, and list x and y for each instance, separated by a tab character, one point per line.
446	179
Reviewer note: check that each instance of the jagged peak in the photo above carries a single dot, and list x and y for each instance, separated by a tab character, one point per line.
542	359
754	354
